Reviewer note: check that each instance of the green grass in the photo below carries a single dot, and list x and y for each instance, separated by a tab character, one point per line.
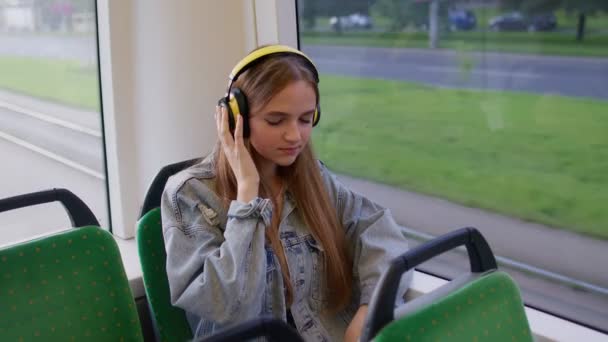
65	82
540	158
542	43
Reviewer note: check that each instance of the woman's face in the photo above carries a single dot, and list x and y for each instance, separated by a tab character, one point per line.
281	129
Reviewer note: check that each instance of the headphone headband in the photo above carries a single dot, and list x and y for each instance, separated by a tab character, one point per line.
263	52
235	100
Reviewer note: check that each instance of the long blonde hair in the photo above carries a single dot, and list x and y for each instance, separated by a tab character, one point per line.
302	179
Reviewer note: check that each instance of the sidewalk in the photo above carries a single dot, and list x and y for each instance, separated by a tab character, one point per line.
81	117
556	250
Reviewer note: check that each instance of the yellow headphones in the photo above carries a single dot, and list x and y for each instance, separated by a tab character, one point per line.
235	100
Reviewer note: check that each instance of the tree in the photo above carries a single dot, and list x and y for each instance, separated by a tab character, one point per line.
402	12
425	13
531	6
582	7
433	24
309	10
345	7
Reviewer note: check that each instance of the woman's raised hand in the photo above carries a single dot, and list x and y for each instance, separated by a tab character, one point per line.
239	158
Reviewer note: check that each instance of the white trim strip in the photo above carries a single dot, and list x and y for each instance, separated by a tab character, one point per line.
52	155
50	119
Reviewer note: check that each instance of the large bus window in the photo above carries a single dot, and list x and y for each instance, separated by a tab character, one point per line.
476	113
50	119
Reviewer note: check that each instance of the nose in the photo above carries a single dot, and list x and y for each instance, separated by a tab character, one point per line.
292	132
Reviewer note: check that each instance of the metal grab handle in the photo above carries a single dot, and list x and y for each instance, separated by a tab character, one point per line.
274	329
381	305
79	213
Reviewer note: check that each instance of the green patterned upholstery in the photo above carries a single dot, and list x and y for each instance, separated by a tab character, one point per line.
489	308
69	286
170	322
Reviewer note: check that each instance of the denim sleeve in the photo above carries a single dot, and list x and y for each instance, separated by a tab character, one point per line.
374	237
215	261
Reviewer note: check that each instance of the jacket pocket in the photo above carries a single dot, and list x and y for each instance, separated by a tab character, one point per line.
318	284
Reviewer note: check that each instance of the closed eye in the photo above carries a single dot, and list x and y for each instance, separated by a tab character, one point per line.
274	122
276	118
306	118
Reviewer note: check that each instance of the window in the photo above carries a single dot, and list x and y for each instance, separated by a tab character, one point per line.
464	113
50	119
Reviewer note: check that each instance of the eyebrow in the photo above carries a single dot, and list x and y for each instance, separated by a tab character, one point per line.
282	114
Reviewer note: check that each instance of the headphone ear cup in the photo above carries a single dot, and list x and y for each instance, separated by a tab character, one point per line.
317	116
223	102
238	105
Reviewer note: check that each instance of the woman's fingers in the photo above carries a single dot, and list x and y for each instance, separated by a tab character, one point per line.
224	132
238	131
236	153
217	118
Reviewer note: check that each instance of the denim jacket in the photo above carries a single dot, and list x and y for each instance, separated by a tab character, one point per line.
222	272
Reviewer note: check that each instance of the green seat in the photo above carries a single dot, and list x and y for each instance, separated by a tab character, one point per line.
484	305
169	321
69	286
481	308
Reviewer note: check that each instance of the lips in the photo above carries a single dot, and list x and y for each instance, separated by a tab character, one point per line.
290	150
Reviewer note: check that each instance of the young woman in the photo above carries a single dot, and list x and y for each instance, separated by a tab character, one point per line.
260	227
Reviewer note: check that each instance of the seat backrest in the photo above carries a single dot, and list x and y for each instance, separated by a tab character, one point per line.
155	190
67	286
79	213
484	304
170	322
486	307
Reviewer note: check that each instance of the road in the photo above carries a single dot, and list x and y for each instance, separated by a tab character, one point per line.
568	76
553	250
